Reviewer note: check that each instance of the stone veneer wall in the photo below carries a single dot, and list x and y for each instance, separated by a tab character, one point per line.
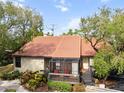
30	63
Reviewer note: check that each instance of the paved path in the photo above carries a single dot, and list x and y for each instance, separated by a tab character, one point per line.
96	89
13	84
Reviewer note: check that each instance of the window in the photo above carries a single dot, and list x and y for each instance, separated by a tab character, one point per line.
91	61
57	65
18	61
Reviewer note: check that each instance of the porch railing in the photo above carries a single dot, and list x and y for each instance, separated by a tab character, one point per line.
64	77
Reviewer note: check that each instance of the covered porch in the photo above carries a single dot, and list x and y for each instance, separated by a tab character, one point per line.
62	69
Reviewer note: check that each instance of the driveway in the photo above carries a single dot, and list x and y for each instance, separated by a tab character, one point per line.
13	84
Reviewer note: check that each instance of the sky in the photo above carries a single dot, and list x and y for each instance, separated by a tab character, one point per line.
66	14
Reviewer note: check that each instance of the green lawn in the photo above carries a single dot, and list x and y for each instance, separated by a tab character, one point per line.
10	90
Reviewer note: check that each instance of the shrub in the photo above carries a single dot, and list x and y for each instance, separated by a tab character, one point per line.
78	88
10	75
33	80
118	63
16	74
26	76
32	84
59	86
102	64
40	78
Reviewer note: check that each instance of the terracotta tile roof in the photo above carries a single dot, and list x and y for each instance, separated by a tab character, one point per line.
49	46
69	47
57	46
86	48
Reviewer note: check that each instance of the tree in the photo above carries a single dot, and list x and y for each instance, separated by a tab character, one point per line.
71	32
105	26
116	38
96	27
18	25
102	63
118	63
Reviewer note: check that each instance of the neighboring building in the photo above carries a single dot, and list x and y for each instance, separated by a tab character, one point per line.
63	55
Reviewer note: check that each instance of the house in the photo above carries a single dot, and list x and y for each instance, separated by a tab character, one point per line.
64	55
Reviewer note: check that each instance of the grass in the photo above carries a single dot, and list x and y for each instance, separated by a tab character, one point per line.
10	90
7	68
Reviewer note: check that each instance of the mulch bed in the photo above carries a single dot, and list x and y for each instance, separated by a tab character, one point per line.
110	83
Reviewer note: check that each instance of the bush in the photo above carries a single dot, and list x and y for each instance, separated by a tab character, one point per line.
118	63
26	76
10	75
16	74
32	84
59	86
78	88
102	64
33	80
40	77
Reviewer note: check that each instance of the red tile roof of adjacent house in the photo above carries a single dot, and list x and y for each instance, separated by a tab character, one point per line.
57	46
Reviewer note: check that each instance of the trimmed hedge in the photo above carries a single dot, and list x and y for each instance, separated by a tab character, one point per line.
59	86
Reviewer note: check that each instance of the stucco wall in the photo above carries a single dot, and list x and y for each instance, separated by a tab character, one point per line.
86	62
32	64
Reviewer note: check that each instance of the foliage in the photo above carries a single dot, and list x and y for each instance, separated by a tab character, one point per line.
118	63
25	76
78	88
10	75
71	32
32	84
102	64
10	90
59	86
32	80
116	28
17	26
105	26
40	78
95	26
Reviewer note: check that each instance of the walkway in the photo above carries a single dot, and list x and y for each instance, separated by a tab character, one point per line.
13	84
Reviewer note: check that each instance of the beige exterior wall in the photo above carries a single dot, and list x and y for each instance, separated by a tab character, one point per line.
32	64
86	62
